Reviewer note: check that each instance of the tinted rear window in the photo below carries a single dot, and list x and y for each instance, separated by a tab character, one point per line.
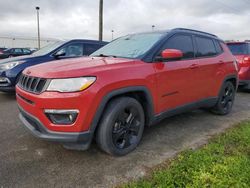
218	47
205	47
239	49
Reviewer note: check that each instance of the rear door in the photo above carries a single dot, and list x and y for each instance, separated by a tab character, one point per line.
210	62
176	78
26	51
17	52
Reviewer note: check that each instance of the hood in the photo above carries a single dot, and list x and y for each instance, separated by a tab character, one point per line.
13	59
76	67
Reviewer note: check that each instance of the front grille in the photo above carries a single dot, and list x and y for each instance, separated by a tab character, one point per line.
32	84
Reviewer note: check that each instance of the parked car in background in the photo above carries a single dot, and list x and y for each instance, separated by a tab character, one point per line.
33	50
241	50
1	50
133	81
11	69
14	52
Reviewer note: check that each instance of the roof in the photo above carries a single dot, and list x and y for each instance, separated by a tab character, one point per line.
238	42
194	31
87	40
181	30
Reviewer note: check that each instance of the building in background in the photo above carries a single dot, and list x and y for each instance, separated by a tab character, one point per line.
24	42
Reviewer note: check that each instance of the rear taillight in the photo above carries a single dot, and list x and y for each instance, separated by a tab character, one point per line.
246	61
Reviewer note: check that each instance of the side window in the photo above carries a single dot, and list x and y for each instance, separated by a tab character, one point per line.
183	43
205	47
90	48
18	50
218	47
26	51
72	50
249	48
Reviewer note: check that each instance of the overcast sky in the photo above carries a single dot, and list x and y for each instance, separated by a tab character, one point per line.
66	19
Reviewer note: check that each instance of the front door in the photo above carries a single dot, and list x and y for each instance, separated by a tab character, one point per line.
175	79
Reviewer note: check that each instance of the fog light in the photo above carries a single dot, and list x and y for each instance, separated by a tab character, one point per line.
62	117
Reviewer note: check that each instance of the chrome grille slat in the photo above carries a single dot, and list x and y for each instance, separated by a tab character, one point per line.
26	82
24	78
32	84
21	79
38	80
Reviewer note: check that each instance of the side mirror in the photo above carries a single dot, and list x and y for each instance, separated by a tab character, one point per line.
171	54
59	54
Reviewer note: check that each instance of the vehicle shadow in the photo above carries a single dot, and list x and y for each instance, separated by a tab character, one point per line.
7	96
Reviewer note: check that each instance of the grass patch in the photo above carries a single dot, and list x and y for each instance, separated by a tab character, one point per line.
224	162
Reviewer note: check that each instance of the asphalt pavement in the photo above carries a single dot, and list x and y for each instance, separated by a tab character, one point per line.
26	161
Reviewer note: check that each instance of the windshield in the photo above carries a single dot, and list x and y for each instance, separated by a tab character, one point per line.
238	49
49	48
130	46
8	49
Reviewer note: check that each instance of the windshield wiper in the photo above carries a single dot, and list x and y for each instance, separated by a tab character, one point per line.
103	55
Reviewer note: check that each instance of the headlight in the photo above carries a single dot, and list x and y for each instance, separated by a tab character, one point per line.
71	84
7	66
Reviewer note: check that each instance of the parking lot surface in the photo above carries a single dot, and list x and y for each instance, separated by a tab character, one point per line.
26	161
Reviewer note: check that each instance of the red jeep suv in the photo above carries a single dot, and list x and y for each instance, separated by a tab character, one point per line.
241	50
133	82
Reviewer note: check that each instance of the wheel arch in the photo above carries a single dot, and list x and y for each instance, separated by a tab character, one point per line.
233	79
140	93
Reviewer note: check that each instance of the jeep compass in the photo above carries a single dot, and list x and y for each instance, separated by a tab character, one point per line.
133	82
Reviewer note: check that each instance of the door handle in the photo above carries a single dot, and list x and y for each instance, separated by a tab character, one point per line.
194	66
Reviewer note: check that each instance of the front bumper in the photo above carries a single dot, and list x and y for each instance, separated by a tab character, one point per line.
79	135
36	105
244	73
7	88
36	128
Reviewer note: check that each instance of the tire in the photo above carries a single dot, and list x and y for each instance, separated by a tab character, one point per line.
226	99
121	126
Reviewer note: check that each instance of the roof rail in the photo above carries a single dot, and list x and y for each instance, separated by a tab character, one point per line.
195	31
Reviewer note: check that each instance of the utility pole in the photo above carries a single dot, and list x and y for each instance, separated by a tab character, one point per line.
38	27
112	31
100	20
153	27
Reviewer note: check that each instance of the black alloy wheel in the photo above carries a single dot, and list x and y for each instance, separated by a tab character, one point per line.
121	127
126	128
226	99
